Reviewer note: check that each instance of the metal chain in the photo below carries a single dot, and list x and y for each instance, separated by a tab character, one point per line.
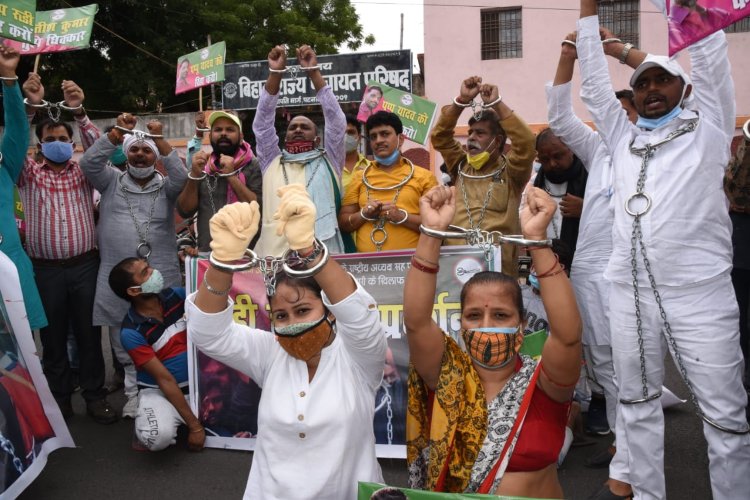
386	400
211	188
379	225
270	266
646	153
312	176
142	235
8	448
478	225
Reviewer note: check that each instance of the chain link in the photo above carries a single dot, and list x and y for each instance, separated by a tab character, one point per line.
142	233
478	225
8	448
270	266
211	188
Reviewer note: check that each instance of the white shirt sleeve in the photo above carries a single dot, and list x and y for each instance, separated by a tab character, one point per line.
360	331
567	126
596	87
713	87
247	350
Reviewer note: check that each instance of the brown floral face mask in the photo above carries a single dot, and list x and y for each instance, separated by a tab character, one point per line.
492	348
305	340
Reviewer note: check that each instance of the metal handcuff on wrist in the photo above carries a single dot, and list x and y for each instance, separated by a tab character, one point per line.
481	238
476	107
636	243
140	135
290	262
378	226
54	109
746	130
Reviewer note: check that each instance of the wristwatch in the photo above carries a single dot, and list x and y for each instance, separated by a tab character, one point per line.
625	51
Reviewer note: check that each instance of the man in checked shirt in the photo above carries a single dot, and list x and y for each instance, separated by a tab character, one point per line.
61	242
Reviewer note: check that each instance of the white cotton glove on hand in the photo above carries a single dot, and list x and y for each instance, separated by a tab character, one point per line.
296	216
232	228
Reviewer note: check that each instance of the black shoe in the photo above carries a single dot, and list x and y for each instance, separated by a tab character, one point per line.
596	417
606	494
66	408
101	411
601	459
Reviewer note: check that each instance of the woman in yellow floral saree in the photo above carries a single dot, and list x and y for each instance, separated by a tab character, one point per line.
482	417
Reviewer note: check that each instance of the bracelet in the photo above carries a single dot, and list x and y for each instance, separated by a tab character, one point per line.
406	216
214	290
557	261
9	78
570	42
272	70
490	104
362	214
611	40
196	431
460	104
549	275
425	260
190	176
421	267
625	51
349	219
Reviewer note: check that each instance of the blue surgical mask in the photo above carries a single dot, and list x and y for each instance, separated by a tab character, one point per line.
118	157
389	160
57	151
154	283
654	123
497	329
533	281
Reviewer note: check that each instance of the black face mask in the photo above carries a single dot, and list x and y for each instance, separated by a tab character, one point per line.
225	149
571	173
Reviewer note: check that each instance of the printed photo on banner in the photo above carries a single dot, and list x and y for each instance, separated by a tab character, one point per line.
31	425
226	401
692	20
416	113
17	21
60	30
200	68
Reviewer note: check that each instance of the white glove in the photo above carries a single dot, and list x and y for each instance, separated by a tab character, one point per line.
232	228
296	215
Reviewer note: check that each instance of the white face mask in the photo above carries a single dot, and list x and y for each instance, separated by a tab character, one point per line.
141	173
350	143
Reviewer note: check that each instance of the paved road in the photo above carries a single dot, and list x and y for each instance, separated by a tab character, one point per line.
104	466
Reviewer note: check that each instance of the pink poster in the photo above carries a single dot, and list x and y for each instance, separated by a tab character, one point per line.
692	20
372	102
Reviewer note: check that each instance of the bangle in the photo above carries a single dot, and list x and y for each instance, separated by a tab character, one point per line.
425	260
9	78
349	219
362	214
196	431
272	70
557	261
549	275
406	216
490	104
611	40
570	42
625	51
460	104
421	267
190	176
214	290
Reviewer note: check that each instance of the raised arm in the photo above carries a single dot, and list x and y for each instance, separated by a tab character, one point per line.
335	120
442	137
426	339
16	137
73	96
713	87
266	140
562	119
561	356
187	201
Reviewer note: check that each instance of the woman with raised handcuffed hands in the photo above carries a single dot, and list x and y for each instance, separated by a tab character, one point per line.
319	366
482	417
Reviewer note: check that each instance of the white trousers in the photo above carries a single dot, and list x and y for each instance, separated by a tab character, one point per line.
705	325
157	420
131	386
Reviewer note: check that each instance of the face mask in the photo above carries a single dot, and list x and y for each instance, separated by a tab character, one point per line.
141	172
304	340
57	151
154	283
118	157
492	348
654	123
389	160
534	281
478	160
297	147
350	143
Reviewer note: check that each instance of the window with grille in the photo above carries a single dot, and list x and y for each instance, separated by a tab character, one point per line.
622	18
741	26
501	33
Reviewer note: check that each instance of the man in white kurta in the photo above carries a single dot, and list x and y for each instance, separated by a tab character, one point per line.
687	239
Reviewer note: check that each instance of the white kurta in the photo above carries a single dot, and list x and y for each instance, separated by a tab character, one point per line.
316	437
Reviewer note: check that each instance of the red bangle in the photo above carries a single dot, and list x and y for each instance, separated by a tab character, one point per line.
549	275
421	267
548	271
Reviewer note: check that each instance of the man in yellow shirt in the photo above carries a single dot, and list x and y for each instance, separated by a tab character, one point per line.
382	205
488	183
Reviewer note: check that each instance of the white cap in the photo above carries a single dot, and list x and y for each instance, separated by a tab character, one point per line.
671	66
